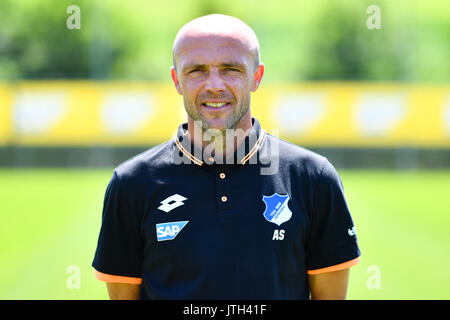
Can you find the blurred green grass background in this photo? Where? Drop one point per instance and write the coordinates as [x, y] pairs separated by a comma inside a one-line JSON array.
[[51, 219]]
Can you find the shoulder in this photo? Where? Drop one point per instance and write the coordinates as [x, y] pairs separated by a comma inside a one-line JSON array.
[[143, 165], [301, 162], [296, 157]]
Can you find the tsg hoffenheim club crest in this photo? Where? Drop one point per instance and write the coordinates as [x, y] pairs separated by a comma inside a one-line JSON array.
[[277, 210]]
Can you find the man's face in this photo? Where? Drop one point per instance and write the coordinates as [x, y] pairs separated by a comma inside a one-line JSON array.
[[215, 75]]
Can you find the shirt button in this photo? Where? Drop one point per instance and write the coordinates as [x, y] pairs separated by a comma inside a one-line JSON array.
[[224, 199], [222, 175]]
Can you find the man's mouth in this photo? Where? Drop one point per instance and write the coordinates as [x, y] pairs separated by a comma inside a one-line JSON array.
[[215, 105]]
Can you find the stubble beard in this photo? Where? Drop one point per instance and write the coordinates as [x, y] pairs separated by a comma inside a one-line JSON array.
[[232, 122]]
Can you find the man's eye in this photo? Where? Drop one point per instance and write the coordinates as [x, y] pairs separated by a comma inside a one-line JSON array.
[[194, 71], [233, 69]]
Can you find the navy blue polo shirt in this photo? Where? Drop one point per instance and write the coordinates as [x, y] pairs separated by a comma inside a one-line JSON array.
[[252, 226]]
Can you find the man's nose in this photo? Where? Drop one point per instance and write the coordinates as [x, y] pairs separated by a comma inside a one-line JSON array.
[[214, 83]]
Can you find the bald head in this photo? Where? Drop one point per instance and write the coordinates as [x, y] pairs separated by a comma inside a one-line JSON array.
[[217, 25]]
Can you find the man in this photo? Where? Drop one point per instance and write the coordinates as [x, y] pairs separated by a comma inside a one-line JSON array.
[[198, 218]]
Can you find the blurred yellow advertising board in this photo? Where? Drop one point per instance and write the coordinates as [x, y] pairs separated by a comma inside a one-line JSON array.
[[84, 113]]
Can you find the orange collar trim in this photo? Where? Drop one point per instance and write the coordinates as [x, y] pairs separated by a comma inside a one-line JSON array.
[[199, 162]]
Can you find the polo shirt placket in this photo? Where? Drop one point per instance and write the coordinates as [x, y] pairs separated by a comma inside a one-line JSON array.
[[222, 169]]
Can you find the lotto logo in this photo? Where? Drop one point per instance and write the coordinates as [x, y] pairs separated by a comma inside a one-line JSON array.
[[169, 230], [171, 203]]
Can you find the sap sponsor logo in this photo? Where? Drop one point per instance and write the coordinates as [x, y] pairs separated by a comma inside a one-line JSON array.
[[169, 230]]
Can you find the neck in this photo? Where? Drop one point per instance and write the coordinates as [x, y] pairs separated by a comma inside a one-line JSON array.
[[220, 140]]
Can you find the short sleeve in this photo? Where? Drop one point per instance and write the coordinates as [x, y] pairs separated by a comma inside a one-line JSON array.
[[332, 243], [118, 257]]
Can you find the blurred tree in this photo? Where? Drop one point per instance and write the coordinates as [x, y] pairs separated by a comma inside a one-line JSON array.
[[344, 47], [38, 41], [300, 40]]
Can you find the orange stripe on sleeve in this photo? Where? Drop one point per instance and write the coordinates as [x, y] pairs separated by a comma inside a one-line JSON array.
[[117, 279], [336, 267]]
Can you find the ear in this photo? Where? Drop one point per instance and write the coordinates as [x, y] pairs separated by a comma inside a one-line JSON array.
[[174, 75], [258, 77]]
